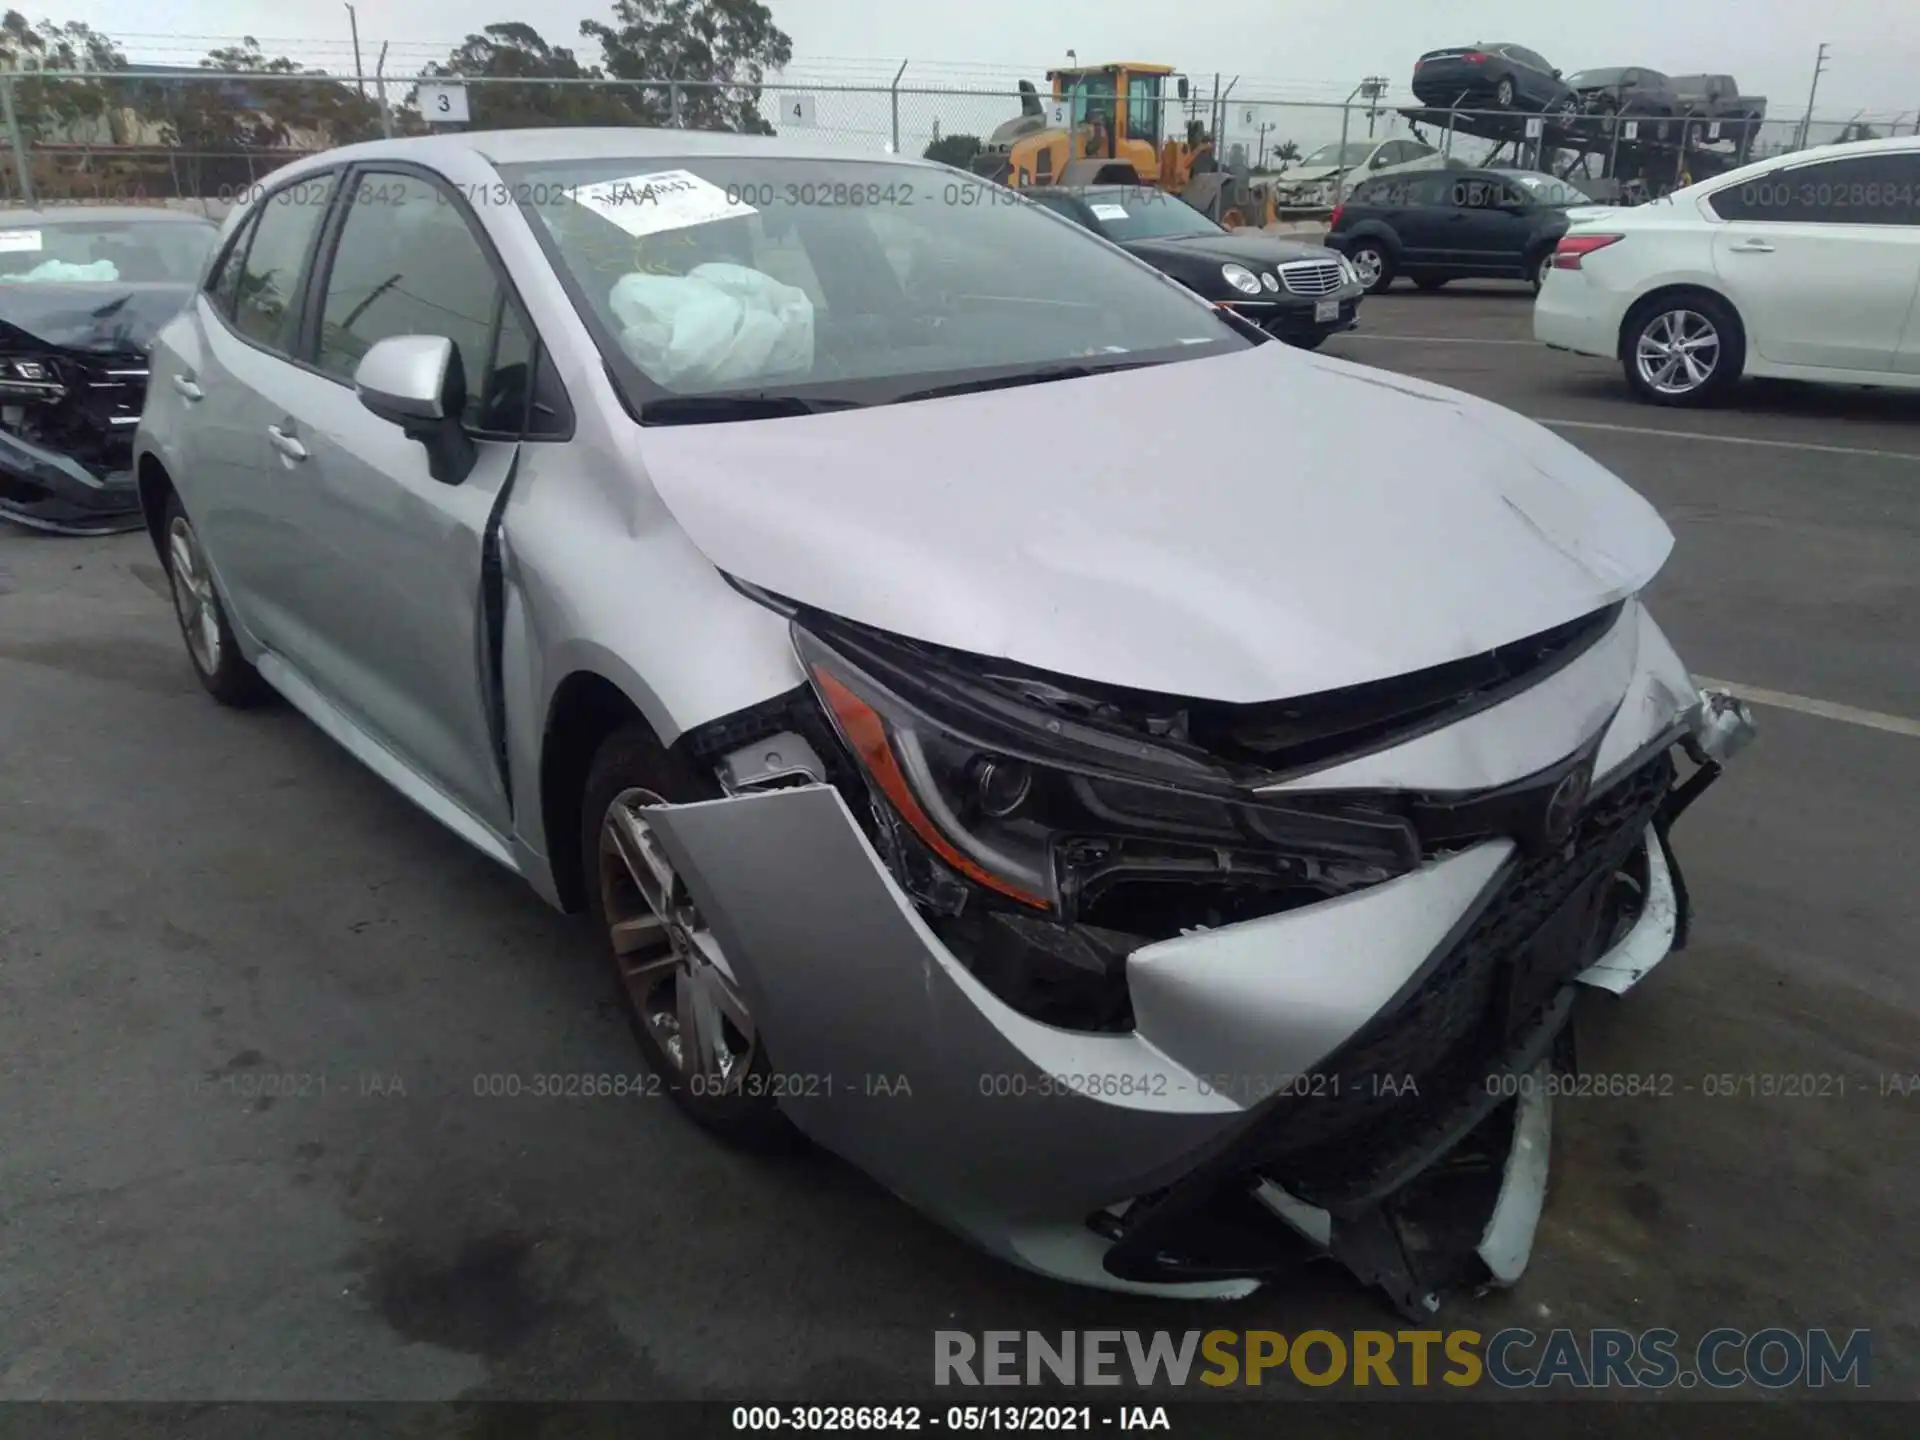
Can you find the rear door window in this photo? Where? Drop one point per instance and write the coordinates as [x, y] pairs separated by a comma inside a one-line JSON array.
[[266, 307], [1874, 189], [224, 283]]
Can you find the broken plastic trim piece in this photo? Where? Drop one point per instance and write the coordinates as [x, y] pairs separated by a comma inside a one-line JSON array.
[[1653, 934], [1507, 1243], [74, 501]]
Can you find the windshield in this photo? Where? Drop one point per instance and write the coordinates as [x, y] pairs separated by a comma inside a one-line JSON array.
[[1142, 213], [1339, 155], [104, 251], [1591, 79], [1549, 189], [841, 281]]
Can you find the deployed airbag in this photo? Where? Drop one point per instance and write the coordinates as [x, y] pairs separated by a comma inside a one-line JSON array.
[[718, 324], [58, 272]]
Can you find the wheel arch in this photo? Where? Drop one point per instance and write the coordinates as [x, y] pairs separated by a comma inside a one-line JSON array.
[[585, 709], [1375, 230], [155, 487], [1676, 291]]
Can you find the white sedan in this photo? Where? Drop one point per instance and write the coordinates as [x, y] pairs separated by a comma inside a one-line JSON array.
[[1800, 267]]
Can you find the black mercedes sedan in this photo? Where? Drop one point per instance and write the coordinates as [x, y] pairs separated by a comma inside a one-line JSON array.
[[1295, 291]]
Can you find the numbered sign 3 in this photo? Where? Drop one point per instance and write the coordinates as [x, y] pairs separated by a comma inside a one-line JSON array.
[[442, 104], [796, 109]]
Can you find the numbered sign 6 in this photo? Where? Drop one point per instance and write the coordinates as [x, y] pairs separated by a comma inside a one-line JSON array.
[[442, 104], [796, 109]]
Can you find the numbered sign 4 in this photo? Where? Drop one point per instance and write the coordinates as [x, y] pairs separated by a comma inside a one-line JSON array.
[[442, 104], [796, 109]]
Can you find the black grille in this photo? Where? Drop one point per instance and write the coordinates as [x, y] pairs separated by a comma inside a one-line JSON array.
[[1450, 1032]]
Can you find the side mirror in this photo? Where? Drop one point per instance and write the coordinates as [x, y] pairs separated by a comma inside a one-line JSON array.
[[418, 383], [1183, 87]]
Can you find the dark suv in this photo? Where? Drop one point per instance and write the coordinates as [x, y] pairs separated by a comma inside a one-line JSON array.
[[1440, 225]]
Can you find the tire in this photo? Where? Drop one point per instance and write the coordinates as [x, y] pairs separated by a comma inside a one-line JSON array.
[[1537, 269], [1378, 263], [1504, 92], [737, 1102], [1656, 324], [211, 649], [1429, 282]]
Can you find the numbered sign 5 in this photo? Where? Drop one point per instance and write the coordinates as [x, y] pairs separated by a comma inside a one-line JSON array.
[[442, 104], [1059, 114], [796, 109]]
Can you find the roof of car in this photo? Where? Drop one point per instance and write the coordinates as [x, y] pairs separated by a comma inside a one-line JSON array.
[[11, 219], [518, 147]]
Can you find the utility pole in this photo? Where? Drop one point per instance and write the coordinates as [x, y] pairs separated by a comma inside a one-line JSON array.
[[359, 75], [1373, 87], [1806, 125]]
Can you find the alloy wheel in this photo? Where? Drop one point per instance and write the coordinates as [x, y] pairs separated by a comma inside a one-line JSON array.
[[675, 974], [1677, 352], [193, 596], [1366, 264]]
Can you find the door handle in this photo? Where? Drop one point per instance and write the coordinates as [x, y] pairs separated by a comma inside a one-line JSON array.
[[286, 444], [1752, 247], [187, 388]]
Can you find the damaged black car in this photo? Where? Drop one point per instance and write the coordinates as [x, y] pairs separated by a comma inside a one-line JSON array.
[[82, 294]]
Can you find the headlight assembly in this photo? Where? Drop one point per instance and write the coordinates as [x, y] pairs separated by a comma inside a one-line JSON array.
[[1347, 272], [1049, 805], [1241, 278]]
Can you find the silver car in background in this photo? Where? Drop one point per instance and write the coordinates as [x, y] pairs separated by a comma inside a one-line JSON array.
[[812, 566]]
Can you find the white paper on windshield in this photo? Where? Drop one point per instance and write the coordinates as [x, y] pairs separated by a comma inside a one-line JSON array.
[[13, 242], [663, 200], [1110, 212]]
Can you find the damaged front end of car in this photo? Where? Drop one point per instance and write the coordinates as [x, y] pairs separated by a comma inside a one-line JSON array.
[[72, 384], [1150, 1006]]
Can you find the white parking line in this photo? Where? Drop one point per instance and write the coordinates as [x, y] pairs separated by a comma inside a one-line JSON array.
[[1825, 709], [1435, 339], [1726, 439]]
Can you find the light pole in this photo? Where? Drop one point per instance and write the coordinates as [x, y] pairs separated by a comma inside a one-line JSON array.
[[1806, 125], [359, 75]]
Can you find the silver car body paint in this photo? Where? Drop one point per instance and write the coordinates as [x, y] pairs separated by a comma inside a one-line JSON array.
[[1059, 525], [1457, 527]]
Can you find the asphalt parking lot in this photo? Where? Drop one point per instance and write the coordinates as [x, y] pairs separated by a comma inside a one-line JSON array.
[[192, 894]]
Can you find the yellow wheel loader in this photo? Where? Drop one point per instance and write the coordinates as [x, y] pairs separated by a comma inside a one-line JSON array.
[[1106, 125]]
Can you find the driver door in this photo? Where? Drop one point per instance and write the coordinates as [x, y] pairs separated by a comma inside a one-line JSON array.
[[391, 628]]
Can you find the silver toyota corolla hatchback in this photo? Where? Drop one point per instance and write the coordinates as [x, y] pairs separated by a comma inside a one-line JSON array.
[[822, 569]]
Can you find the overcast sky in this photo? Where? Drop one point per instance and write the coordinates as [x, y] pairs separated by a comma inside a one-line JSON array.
[[1317, 49]]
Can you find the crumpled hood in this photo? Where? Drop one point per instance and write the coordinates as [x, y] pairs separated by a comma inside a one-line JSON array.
[[115, 318], [1111, 528]]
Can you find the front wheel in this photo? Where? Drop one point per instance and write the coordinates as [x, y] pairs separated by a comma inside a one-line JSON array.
[[222, 670], [1373, 265], [1503, 93], [1683, 351], [685, 1002]]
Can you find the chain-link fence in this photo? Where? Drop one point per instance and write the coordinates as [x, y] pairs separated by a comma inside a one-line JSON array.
[[210, 135]]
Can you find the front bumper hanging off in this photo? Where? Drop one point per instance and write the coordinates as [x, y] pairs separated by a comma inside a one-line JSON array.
[[45, 490], [1118, 1160]]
